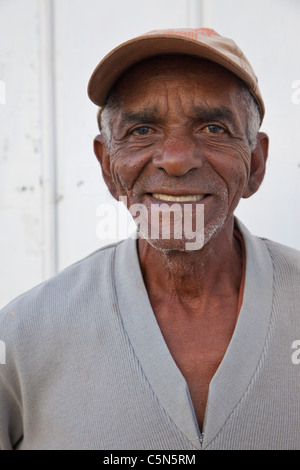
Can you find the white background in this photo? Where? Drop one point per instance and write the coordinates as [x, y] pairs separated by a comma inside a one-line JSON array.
[[51, 184]]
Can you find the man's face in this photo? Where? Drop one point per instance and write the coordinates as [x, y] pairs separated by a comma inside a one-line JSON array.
[[179, 135]]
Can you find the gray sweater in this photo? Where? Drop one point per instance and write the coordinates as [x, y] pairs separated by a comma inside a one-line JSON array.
[[86, 366]]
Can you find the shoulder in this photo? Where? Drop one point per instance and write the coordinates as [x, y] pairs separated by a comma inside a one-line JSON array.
[[61, 296], [283, 257], [286, 276], [261, 248]]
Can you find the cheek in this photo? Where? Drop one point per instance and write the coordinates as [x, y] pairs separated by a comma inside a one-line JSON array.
[[125, 166], [230, 162]]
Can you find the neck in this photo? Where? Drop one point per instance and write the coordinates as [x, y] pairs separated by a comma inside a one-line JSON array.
[[215, 270]]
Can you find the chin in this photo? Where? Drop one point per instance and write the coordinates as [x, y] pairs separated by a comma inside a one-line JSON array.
[[168, 245], [174, 245]]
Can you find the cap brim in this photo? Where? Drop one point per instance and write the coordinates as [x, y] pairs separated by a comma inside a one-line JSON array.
[[129, 53]]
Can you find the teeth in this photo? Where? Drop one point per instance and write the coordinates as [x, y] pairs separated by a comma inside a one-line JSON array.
[[187, 198]]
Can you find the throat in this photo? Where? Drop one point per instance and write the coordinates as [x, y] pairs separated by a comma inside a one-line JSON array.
[[215, 270]]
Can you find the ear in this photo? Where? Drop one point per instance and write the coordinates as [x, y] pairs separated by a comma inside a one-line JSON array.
[[103, 157], [258, 164]]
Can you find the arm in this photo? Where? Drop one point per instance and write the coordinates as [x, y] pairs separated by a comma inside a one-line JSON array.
[[10, 414]]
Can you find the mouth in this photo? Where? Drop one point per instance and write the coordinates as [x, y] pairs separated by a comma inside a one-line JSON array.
[[183, 198]]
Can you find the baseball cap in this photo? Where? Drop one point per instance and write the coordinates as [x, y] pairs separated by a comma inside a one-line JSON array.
[[204, 43]]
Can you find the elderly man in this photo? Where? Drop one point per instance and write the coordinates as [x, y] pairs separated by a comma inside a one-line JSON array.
[[157, 343]]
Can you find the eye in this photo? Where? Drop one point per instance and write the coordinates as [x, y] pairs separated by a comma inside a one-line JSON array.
[[142, 130], [213, 129]]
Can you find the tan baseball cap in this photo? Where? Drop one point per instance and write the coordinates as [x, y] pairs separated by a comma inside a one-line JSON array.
[[204, 43]]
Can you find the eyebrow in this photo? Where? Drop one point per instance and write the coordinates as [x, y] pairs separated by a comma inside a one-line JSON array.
[[201, 114], [214, 114], [145, 115]]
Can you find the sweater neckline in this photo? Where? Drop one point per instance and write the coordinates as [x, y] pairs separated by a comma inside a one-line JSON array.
[[240, 361]]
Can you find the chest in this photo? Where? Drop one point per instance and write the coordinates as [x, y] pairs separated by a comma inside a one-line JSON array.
[[198, 345]]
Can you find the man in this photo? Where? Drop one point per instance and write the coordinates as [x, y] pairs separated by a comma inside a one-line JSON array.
[[157, 343]]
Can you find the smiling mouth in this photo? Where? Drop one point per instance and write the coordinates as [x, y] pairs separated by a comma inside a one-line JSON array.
[[183, 198]]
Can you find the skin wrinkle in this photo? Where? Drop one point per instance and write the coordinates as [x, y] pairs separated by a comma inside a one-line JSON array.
[[170, 289], [117, 141], [104, 116], [133, 185], [245, 157]]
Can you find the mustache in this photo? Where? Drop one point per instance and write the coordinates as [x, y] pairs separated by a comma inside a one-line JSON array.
[[176, 185]]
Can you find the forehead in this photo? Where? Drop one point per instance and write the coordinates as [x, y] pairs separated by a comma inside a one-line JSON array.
[[165, 76]]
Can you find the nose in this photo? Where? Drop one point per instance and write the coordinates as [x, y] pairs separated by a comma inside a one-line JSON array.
[[177, 156]]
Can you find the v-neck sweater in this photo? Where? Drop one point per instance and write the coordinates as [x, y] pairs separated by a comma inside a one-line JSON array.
[[86, 365]]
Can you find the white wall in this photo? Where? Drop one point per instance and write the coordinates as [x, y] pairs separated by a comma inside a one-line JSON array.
[[268, 31], [51, 184], [21, 193]]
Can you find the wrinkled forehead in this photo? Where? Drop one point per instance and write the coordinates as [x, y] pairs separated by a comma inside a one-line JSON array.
[[153, 78]]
